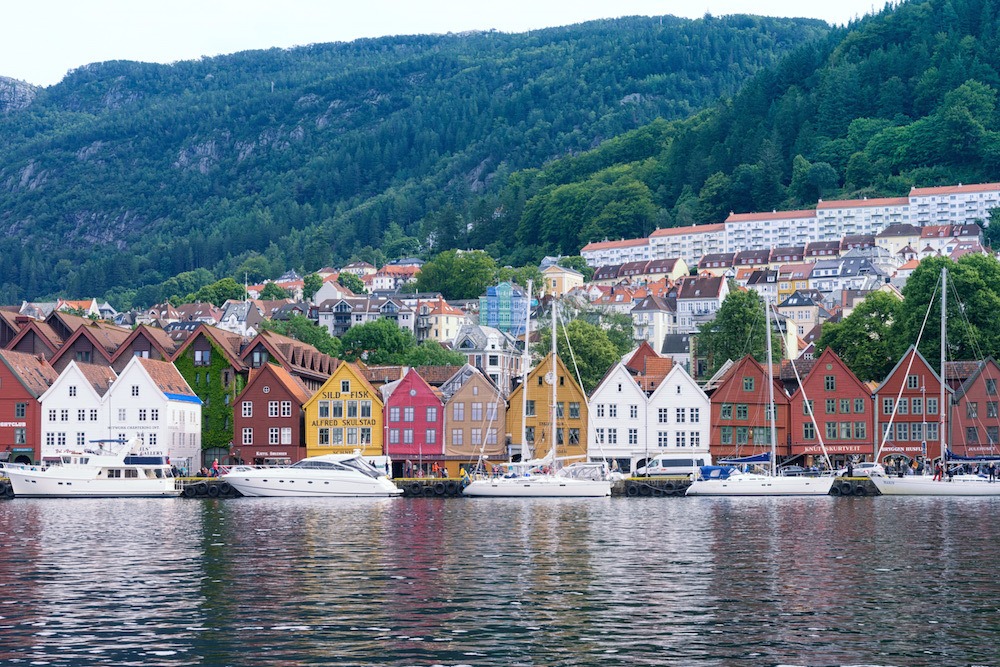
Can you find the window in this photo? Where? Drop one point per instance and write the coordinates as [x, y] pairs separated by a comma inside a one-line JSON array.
[[662, 439], [366, 410], [20, 436], [633, 436], [887, 404], [633, 411], [831, 406], [352, 436], [272, 408], [407, 436], [393, 436], [135, 390], [50, 439], [695, 415], [248, 409], [408, 413], [202, 357], [121, 414], [142, 414], [72, 391], [726, 411], [991, 386], [491, 411], [663, 415], [932, 432], [917, 406], [807, 407], [154, 414], [679, 415], [430, 436], [248, 436], [992, 433], [991, 408], [748, 384], [286, 435], [971, 435], [324, 409], [932, 406], [830, 382], [93, 414], [457, 436], [529, 433], [726, 435], [352, 409], [902, 431], [432, 414], [859, 406], [477, 412], [20, 410], [742, 411], [845, 430], [860, 431], [529, 409], [458, 411], [917, 431], [324, 436], [912, 382], [972, 410], [845, 406], [742, 435], [81, 415], [612, 436], [273, 435], [345, 386], [393, 414], [808, 432], [831, 430], [600, 411], [574, 410], [680, 439]]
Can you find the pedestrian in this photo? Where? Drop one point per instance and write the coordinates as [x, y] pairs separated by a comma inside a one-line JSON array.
[[991, 469], [215, 468], [937, 472]]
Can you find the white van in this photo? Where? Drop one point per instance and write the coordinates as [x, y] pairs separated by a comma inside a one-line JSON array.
[[671, 464]]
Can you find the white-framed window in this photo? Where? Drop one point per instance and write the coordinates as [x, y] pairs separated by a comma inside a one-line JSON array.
[[81, 415], [408, 413], [286, 408], [72, 391], [273, 435], [248, 436], [135, 390], [142, 414], [633, 436], [121, 414], [272, 409], [286, 435], [154, 414], [247, 409], [93, 414]]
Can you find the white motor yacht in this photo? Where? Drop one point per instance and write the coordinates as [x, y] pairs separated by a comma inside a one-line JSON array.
[[328, 475], [110, 469]]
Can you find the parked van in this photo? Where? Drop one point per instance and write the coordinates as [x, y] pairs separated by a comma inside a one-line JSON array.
[[671, 464]]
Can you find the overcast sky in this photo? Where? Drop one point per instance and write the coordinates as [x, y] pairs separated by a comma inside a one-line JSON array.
[[42, 39]]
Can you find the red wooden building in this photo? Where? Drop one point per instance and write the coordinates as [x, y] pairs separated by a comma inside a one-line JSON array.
[[269, 419], [23, 378], [741, 422], [842, 413], [974, 427], [908, 415], [414, 418]]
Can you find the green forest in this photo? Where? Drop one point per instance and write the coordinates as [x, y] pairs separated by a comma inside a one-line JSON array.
[[127, 175]]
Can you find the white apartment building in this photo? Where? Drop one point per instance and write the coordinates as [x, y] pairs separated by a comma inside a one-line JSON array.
[[73, 410], [613, 253], [689, 243], [953, 203], [848, 217], [777, 229]]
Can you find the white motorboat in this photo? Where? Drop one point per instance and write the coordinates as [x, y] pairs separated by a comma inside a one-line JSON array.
[[328, 475], [111, 469]]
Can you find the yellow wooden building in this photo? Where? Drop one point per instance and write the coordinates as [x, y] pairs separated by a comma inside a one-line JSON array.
[[571, 413], [344, 415]]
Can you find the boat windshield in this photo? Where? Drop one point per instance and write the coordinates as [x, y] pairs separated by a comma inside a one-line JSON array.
[[593, 471], [363, 466], [358, 464]]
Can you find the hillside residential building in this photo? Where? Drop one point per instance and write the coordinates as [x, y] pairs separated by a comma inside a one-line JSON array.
[[698, 300], [495, 353], [24, 378], [439, 321], [850, 217], [777, 229], [559, 279], [953, 203], [654, 318], [505, 307], [690, 243], [268, 423]]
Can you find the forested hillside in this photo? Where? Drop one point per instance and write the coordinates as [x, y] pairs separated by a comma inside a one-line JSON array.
[[906, 97], [126, 174]]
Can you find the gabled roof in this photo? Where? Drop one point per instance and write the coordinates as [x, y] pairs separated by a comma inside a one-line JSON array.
[[167, 379], [34, 373], [898, 229], [158, 338], [43, 331], [970, 378], [292, 354], [231, 344], [700, 287], [292, 384], [105, 339], [902, 364], [97, 376]]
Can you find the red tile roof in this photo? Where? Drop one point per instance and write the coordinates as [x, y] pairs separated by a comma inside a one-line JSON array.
[[34, 373]]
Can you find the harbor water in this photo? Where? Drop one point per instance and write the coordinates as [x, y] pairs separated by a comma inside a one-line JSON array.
[[532, 582]]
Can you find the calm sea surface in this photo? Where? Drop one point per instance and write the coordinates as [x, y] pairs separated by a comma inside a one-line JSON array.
[[664, 581]]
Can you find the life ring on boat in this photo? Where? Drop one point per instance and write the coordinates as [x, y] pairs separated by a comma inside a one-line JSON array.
[[213, 491], [835, 490], [860, 490], [8, 491], [440, 489], [225, 489], [415, 488], [451, 488], [632, 490], [847, 489], [190, 492]]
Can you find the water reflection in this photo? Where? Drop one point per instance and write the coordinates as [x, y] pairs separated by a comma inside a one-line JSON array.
[[706, 581]]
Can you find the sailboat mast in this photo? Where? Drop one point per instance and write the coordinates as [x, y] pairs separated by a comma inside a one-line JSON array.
[[770, 391], [525, 362], [554, 381], [943, 409]]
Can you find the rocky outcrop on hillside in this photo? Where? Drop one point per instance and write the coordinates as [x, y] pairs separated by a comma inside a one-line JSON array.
[[15, 94]]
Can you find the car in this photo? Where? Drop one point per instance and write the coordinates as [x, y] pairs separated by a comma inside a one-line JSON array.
[[863, 469]]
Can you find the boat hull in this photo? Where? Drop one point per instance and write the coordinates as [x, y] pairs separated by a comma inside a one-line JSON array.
[[277, 485], [539, 486], [762, 485], [923, 485], [42, 484]]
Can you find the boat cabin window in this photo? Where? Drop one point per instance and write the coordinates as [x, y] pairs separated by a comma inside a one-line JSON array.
[[361, 465], [114, 473], [131, 473]]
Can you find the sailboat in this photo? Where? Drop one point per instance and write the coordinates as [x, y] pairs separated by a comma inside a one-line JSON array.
[[927, 485], [540, 478], [729, 481]]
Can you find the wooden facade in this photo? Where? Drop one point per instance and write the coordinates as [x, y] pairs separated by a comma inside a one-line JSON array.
[[344, 415], [269, 418], [741, 421]]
